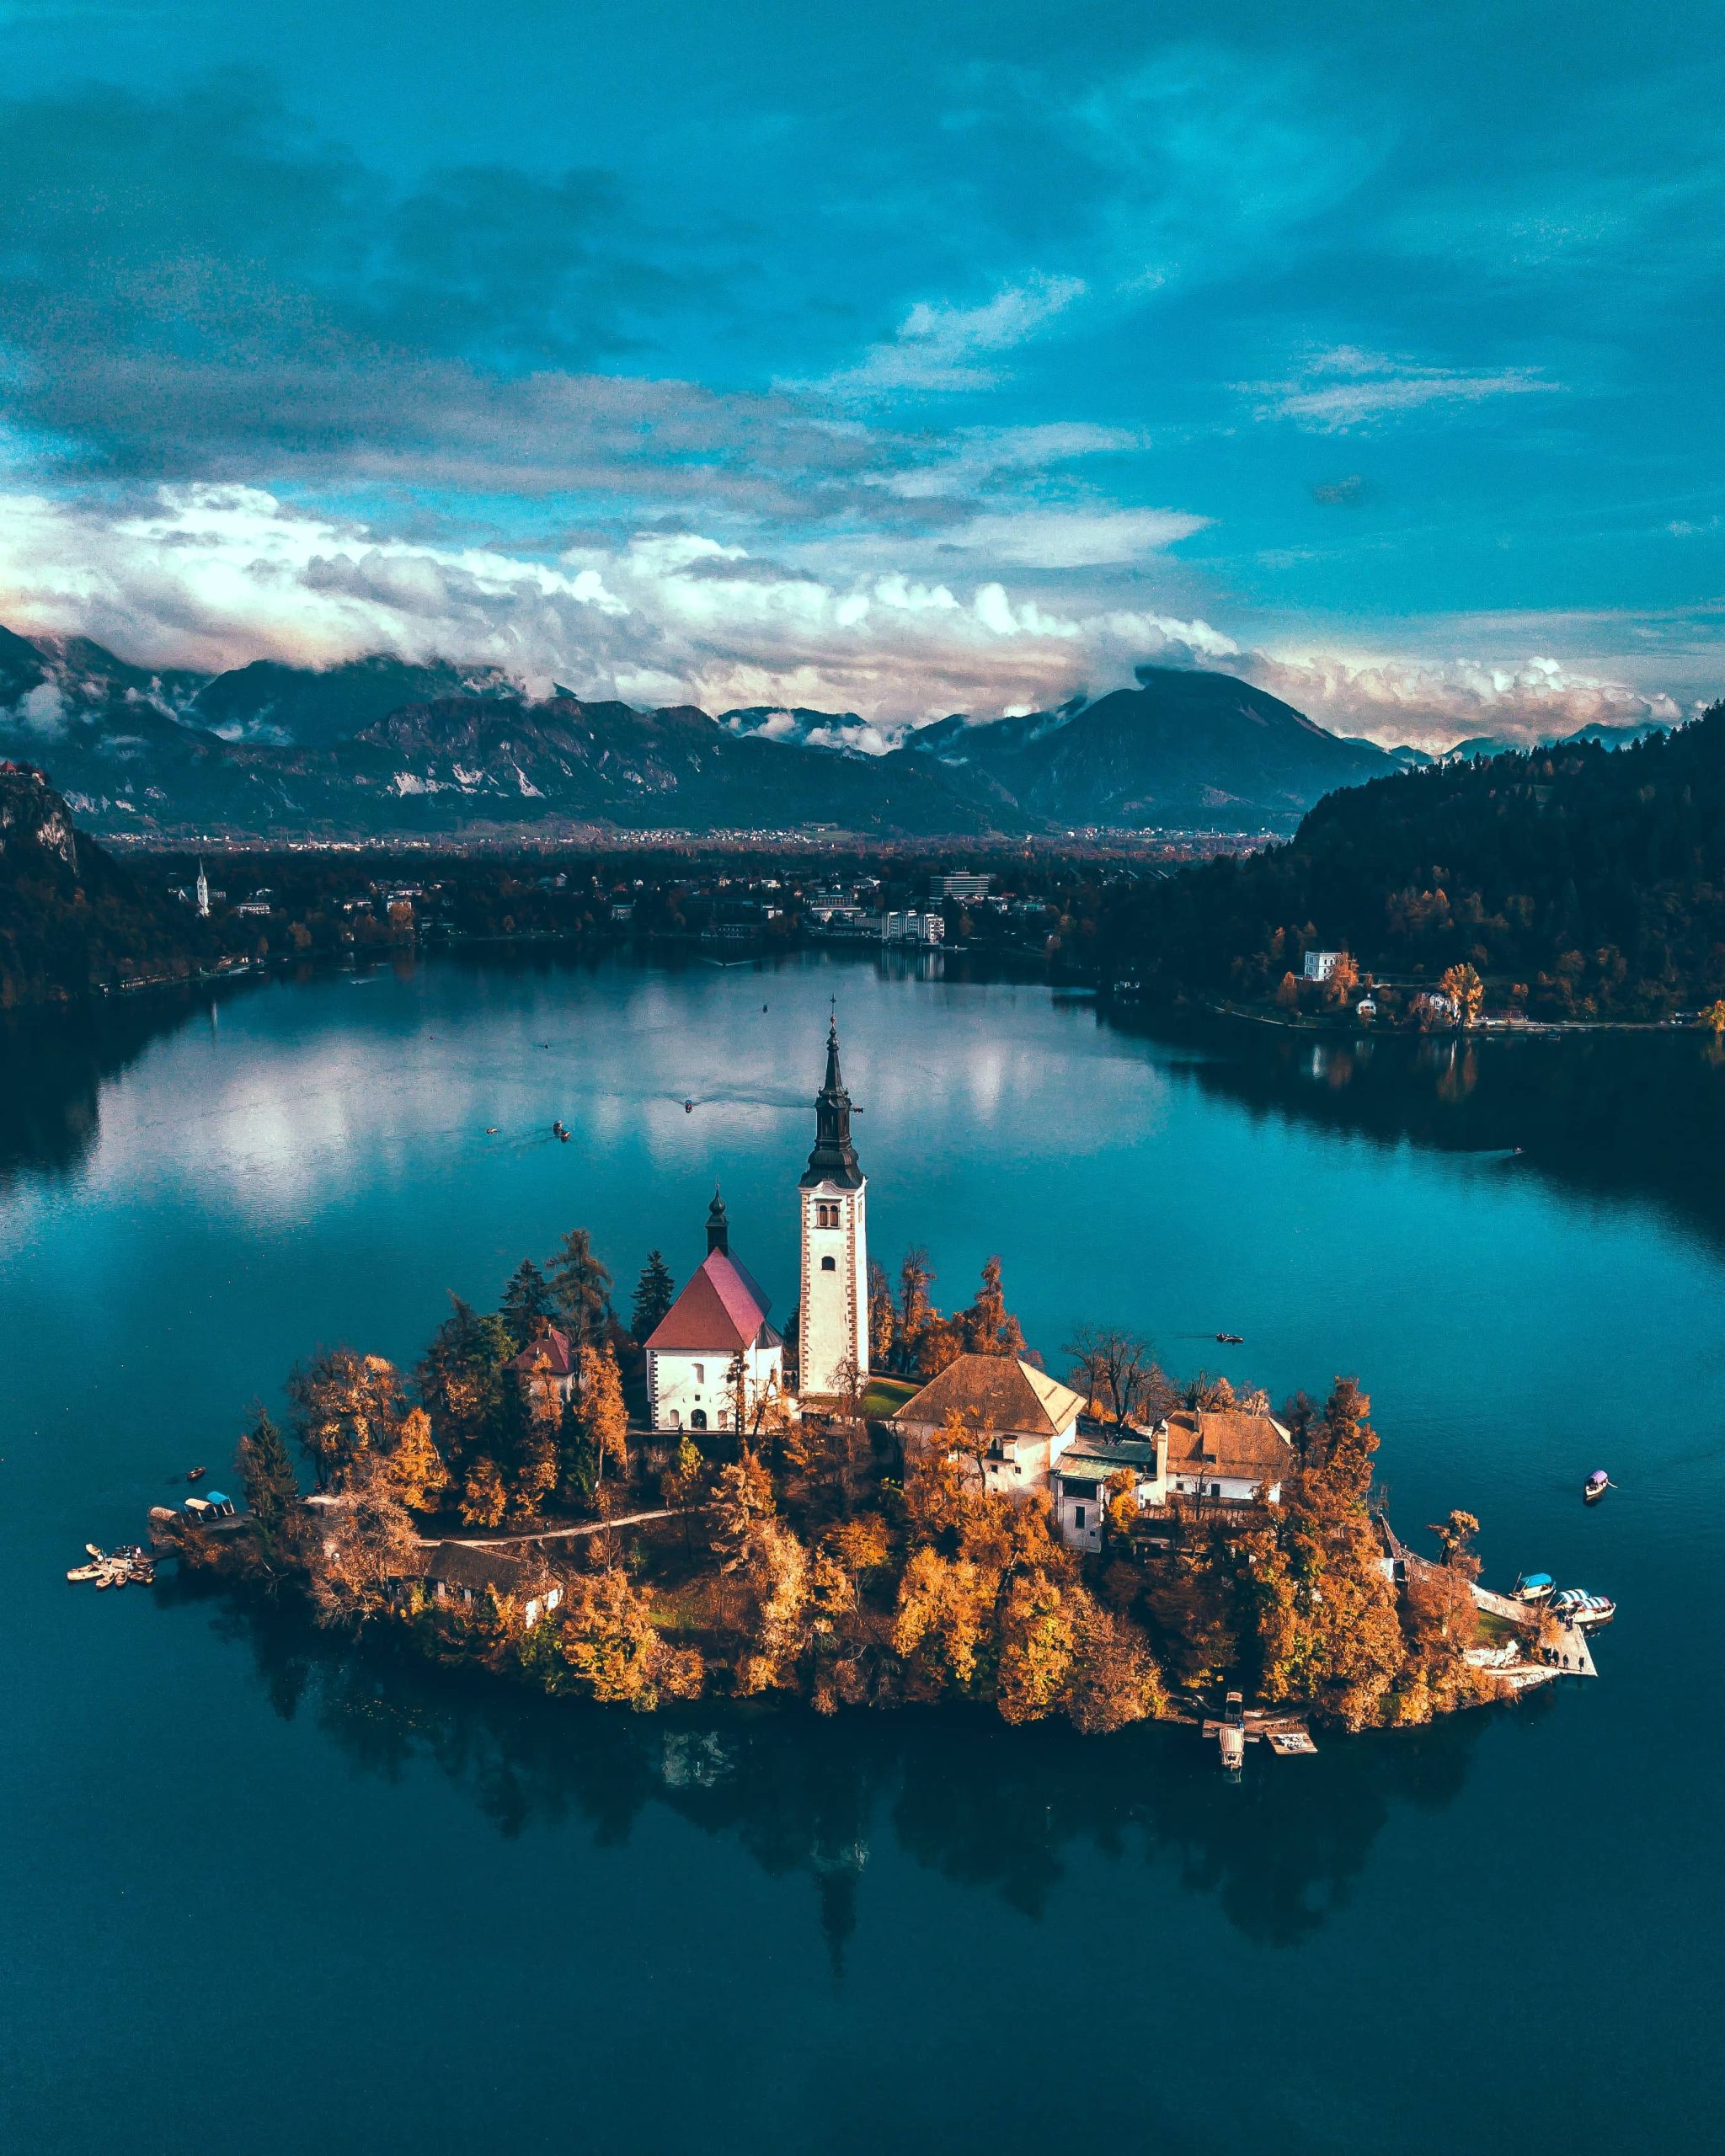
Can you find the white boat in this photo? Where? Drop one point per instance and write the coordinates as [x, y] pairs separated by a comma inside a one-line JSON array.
[[1580, 1607], [1534, 1587]]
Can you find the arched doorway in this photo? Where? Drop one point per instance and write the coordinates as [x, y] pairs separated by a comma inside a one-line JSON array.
[[697, 1418]]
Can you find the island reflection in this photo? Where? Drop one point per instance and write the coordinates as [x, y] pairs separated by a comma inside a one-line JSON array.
[[997, 1810]]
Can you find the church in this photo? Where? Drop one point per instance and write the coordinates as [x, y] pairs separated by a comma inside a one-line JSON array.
[[717, 1331]]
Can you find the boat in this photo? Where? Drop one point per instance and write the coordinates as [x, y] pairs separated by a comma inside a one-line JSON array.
[[1596, 1486], [1580, 1607], [1534, 1587], [688, 1107], [1230, 1339], [196, 1474]]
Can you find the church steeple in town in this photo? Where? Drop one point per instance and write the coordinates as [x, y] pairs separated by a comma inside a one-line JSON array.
[[203, 892], [834, 1159], [719, 1234]]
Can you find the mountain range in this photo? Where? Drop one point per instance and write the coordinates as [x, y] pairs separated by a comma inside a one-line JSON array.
[[379, 747]]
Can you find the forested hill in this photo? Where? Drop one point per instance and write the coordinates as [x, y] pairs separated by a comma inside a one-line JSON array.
[[1579, 881], [71, 918]]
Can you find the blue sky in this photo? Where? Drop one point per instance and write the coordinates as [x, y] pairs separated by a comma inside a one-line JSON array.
[[894, 360]]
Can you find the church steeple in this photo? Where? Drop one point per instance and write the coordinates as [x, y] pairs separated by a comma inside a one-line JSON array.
[[719, 1233], [834, 1159]]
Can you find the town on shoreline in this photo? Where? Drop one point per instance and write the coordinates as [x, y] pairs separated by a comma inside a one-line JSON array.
[[882, 1505]]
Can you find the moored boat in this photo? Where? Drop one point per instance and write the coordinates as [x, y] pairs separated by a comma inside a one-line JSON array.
[[1580, 1607], [1534, 1587]]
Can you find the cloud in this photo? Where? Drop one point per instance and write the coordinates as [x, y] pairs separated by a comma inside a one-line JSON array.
[[939, 348], [1346, 387]]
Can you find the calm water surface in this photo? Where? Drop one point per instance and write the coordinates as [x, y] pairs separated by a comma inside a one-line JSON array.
[[260, 1897]]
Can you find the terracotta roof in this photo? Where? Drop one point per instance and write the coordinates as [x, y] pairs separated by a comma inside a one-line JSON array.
[[549, 1352], [996, 1392], [1228, 1442], [721, 1310]]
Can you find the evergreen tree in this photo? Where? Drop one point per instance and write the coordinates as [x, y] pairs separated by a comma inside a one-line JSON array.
[[655, 1292], [527, 1303], [581, 1287], [267, 1477]]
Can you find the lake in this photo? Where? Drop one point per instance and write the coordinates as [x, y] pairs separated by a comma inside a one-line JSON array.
[[262, 1895]]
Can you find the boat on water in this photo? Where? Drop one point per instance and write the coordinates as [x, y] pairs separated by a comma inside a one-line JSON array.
[[1230, 1339], [1596, 1486], [1580, 1607], [560, 1133], [1534, 1587], [196, 1474]]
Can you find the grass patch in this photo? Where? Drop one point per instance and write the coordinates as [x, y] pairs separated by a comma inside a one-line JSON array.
[[884, 1396]]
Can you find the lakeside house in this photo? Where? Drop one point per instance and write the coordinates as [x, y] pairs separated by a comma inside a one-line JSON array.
[[1233, 1455], [716, 1327], [1080, 1488], [546, 1368], [1032, 1418], [461, 1572]]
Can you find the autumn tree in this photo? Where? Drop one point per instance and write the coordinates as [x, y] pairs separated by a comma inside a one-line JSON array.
[[1115, 1369], [527, 1305], [882, 1317], [366, 1549], [1036, 1641], [679, 1485], [1465, 990], [655, 1292], [941, 1622], [345, 1407], [267, 1478], [1455, 1536], [484, 1496], [416, 1467], [1344, 980], [1113, 1678], [604, 1643], [743, 1500], [916, 1311], [1345, 1441], [987, 1327], [581, 1287], [603, 1417]]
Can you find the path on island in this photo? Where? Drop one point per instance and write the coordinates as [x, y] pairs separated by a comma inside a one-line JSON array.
[[548, 1534]]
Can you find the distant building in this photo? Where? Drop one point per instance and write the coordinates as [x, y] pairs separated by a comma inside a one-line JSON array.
[[257, 907], [924, 928], [718, 1322], [622, 910], [203, 890], [961, 885], [1031, 1417], [1320, 964], [1366, 1009]]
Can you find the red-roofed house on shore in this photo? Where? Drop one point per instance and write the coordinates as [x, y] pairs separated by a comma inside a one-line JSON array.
[[718, 1321], [546, 1368]]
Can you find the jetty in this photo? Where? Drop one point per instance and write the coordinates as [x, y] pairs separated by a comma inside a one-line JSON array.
[[1286, 1734]]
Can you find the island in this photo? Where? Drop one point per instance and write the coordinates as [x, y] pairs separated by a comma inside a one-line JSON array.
[[885, 1505]]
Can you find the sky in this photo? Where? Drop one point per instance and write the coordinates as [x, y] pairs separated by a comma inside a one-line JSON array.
[[890, 360]]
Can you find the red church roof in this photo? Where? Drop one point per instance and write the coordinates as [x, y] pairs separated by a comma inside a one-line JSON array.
[[721, 1312]]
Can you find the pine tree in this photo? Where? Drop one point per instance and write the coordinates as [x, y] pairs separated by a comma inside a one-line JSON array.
[[267, 1477], [527, 1303], [581, 1287], [655, 1292]]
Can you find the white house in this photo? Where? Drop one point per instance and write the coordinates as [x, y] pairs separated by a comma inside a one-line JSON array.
[[832, 1329], [718, 1322], [1032, 1418], [1230, 1454], [1320, 964], [1081, 1479], [924, 928]]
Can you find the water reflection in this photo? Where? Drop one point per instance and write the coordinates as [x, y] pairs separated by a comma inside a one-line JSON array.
[[1002, 1812], [1637, 1115]]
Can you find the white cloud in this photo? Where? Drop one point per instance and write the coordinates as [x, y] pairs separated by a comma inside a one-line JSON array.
[[1346, 387], [938, 347], [215, 576]]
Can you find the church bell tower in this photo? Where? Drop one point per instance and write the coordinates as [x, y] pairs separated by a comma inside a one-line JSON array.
[[832, 1323]]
